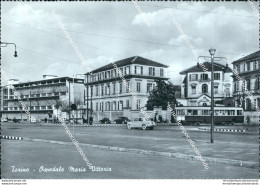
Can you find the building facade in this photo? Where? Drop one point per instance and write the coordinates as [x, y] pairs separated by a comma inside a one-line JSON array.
[[39, 98], [248, 69], [108, 96], [196, 84]]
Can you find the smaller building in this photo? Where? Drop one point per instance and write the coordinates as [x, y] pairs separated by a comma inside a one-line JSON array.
[[196, 84]]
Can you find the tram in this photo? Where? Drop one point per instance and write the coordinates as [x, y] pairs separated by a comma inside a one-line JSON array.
[[197, 115]]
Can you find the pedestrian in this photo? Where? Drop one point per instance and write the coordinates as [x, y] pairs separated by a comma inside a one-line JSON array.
[[45, 120], [248, 120]]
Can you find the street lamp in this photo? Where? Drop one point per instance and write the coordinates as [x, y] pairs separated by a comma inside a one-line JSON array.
[[212, 53], [4, 44], [212, 58]]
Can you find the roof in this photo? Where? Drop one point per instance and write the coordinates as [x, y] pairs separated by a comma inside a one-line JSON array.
[[131, 60], [250, 56], [198, 68], [51, 79]]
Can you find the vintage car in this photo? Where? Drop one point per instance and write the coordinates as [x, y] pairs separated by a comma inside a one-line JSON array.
[[141, 123]]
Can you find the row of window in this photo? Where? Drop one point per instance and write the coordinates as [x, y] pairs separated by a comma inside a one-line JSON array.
[[113, 106], [246, 84], [39, 95], [203, 77], [32, 108], [208, 112], [204, 89], [248, 66], [122, 71], [106, 89]]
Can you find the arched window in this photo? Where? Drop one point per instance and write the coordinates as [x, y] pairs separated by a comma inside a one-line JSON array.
[[108, 106], [204, 88], [114, 105], [120, 105]]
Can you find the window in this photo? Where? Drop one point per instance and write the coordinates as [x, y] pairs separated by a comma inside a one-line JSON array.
[[227, 91], [248, 66], [248, 85], [152, 71], [120, 87], [244, 67], [114, 106], [138, 70], [114, 88], [216, 89], [193, 77], [127, 104], [193, 89], [161, 72], [102, 90], [121, 72], [43, 107], [216, 76], [127, 87], [107, 89], [96, 106], [238, 68], [255, 65], [138, 105], [96, 90], [204, 77], [149, 87], [120, 105], [108, 106], [257, 83], [204, 88], [127, 70], [138, 87], [112, 73]]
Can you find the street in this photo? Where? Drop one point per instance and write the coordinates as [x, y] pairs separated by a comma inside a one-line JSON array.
[[231, 146]]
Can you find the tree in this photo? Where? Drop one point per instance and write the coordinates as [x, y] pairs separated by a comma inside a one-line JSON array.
[[162, 95]]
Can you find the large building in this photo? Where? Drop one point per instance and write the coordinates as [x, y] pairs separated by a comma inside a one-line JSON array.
[[39, 97], [196, 84], [248, 69], [108, 96]]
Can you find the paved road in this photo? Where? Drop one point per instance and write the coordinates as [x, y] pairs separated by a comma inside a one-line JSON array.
[[124, 165], [237, 146]]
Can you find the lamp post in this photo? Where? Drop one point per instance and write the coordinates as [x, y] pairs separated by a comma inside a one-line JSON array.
[[212, 58], [4, 44], [212, 53]]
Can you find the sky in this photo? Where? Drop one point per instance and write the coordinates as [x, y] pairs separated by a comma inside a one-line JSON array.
[[117, 30]]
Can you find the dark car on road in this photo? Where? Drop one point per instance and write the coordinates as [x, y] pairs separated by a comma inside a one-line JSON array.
[[122, 120], [105, 121]]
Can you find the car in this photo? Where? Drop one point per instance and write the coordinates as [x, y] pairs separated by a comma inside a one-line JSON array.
[[105, 121], [122, 120], [141, 123]]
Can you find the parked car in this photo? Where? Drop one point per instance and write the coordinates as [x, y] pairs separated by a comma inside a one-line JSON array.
[[105, 121], [141, 123], [122, 120]]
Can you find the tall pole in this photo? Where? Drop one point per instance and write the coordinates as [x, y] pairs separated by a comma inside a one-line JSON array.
[[30, 106], [87, 100], [69, 101], [212, 51]]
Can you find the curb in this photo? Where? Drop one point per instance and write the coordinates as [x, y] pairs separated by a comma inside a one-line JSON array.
[[224, 130], [230, 162], [11, 138]]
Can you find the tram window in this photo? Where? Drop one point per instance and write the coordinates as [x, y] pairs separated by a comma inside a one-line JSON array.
[[195, 112], [205, 112], [189, 112], [239, 112]]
